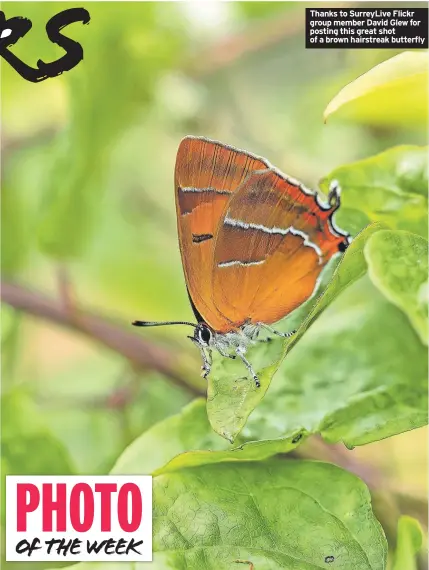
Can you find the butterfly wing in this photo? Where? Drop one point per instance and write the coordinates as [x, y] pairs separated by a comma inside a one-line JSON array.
[[206, 176], [273, 241]]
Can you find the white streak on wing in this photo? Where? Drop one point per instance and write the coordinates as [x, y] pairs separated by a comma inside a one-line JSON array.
[[202, 190], [274, 230], [307, 241], [238, 262]]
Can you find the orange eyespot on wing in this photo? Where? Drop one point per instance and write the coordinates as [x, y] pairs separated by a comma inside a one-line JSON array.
[[273, 241], [207, 174]]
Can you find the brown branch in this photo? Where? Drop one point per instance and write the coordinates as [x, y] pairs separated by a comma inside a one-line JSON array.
[[65, 289], [118, 399], [317, 448], [141, 353], [12, 144]]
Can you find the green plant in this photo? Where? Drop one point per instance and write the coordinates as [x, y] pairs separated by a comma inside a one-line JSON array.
[[236, 476], [216, 501]]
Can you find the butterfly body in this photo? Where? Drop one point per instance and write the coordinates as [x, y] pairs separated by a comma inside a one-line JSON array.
[[231, 344], [253, 243]]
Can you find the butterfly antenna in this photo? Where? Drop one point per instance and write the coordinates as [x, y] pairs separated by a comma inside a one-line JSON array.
[[160, 324]]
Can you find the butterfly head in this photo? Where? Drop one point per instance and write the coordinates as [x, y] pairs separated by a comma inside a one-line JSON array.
[[203, 334]]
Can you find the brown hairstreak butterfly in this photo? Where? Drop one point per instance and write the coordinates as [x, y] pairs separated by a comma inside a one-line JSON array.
[[253, 243]]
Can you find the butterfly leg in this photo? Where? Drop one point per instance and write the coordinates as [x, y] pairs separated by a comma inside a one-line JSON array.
[[225, 354], [278, 333], [255, 336], [248, 366], [207, 361]]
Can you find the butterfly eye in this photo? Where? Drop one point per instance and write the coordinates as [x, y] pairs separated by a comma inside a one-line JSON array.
[[204, 334]]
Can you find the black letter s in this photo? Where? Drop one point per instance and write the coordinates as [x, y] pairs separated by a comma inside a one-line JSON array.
[[15, 28], [74, 51]]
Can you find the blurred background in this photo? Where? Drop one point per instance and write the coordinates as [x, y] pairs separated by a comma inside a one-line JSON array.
[[88, 215]]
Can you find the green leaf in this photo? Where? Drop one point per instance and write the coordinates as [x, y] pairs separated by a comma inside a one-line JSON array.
[[291, 515], [351, 268], [187, 440], [231, 395], [358, 375], [350, 379], [277, 514], [409, 542], [398, 266], [393, 92], [390, 187]]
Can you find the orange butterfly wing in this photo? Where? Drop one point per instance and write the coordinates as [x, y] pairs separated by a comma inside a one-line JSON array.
[[207, 174], [272, 243], [253, 241]]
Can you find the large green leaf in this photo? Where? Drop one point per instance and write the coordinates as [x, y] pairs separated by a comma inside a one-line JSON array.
[[393, 92], [351, 268], [187, 440], [297, 515], [409, 542], [232, 395], [358, 375], [277, 514], [390, 187], [398, 266]]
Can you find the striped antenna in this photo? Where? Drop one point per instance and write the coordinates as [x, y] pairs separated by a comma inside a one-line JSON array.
[[162, 323]]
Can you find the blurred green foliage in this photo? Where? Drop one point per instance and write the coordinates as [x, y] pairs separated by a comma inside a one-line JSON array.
[[409, 543], [88, 161]]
